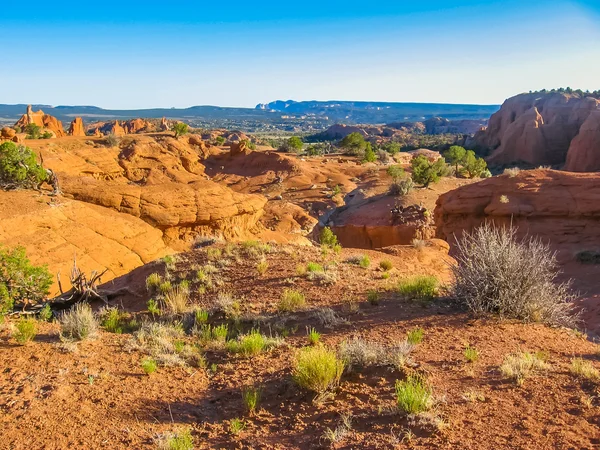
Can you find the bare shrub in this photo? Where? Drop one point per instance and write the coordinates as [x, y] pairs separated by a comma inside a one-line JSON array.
[[497, 273], [512, 171], [402, 186]]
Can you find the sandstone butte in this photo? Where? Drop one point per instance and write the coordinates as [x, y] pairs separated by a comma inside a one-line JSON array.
[[544, 129], [42, 120]]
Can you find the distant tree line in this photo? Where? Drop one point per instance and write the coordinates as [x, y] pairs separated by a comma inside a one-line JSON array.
[[568, 90]]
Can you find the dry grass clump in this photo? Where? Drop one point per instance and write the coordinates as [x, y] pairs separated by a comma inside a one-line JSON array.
[[512, 171], [78, 323], [496, 273], [177, 299], [164, 343], [519, 366], [360, 353], [333, 436], [584, 369], [328, 317], [181, 440], [318, 369], [291, 300]]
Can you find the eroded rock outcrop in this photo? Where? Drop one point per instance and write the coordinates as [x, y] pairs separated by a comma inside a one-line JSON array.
[[542, 129], [42, 120], [77, 128]]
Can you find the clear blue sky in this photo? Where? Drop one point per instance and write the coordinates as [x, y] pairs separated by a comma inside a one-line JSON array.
[[130, 54]]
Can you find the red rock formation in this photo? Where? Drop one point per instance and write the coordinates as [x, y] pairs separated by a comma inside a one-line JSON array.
[[584, 151], [164, 126], [538, 129], [7, 133], [237, 148], [117, 129], [42, 120], [77, 128]]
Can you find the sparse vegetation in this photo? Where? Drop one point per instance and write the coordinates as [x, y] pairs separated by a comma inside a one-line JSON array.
[[422, 287], [262, 267], [496, 273], [333, 436], [512, 171], [415, 336], [249, 344], [584, 369], [471, 354], [313, 336], [386, 265], [251, 397], [236, 426], [153, 308], [318, 369], [291, 300], [149, 365], [519, 366], [373, 297], [78, 323], [425, 172], [25, 331], [176, 300], [153, 281], [181, 440], [413, 395]]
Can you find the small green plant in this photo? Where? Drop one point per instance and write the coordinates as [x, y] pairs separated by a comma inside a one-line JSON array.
[[169, 261], [385, 275], [386, 265], [426, 172], [313, 336], [336, 190], [153, 308], [318, 369], [328, 238], [219, 333], [249, 344], [584, 369], [149, 365], [251, 398], [419, 287], [373, 297], [413, 395], [471, 354], [165, 287], [26, 329], [113, 320], [45, 313], [201, 316], [180, 128], [364, 262], [519, 366], [415, 336], [314, 267], [291, 300], [179, 441], [236, 426], [262, 267]]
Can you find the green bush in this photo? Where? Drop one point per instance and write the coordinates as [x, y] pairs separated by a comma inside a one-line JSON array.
[[364, 262], [455, 156], [396, 172], [33, 131], [370, 155], [328, 238], [149, 365], [386, 265], [46, 135], [294, 144], [21, 281], [354, 144], [426, 172], [26, 329], [19, 167], [318, 369], [420, 287], [472, 165], [314, 267], [413, 395], [249, 344], [180, 129]]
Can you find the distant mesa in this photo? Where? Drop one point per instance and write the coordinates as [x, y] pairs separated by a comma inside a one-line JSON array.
[[544, 128]]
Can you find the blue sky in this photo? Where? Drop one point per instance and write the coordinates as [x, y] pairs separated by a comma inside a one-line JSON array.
[[130, 54]]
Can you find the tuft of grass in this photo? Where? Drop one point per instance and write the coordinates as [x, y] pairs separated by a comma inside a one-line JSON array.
[[177, 441], [364, 262], [149, 365], [251, 398], [152, 306], [236, 426], [78, 323], [333, 436], [262, 267], [26, 329], [291, 300], [519, 366], [413, 395], [415, 336], [386, 265], [250, 344], [512, 171], [314, 267], [169, 261], [153, 281], [471, 354], [214, 254], [584, 369], [201, 316], [164, 287], [422, 287], [177, 299], [113, 320], [504, 199], [313, 336], [373, 297], [318, 369]]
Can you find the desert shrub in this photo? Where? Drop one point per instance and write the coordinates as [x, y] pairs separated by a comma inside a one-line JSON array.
[[426, 172], [291, 300], [359, 353], [354, 144], [33, 131], [364, 262], [328, 317], [46, 135], [163, 343], [318, 369], [180, 128], [328, 238], [176, 441], [421, 287], [78, 323], [415, 336], [313, 336], [584, 369], [293, 144], [45, 313], [472, 165], [588, 257], [21, 281], [383, 156], [314, 267], [149, 365], [413, 395], [251, 398], [455, 156], [496, 273], [322, 277], [19, 167], [111, 140], [512, 171], [116, 321], [176, 299], [385, 265], [471, 354], [25, 331], [402, 186], [262, 267], [370, 155], [396, 172], [249, 344], [520, 366]]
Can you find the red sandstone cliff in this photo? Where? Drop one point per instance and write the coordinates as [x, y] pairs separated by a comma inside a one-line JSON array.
[[42, 120]]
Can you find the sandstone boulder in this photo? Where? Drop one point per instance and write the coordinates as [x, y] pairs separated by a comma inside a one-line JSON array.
[[7, 133], [76, 128]]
